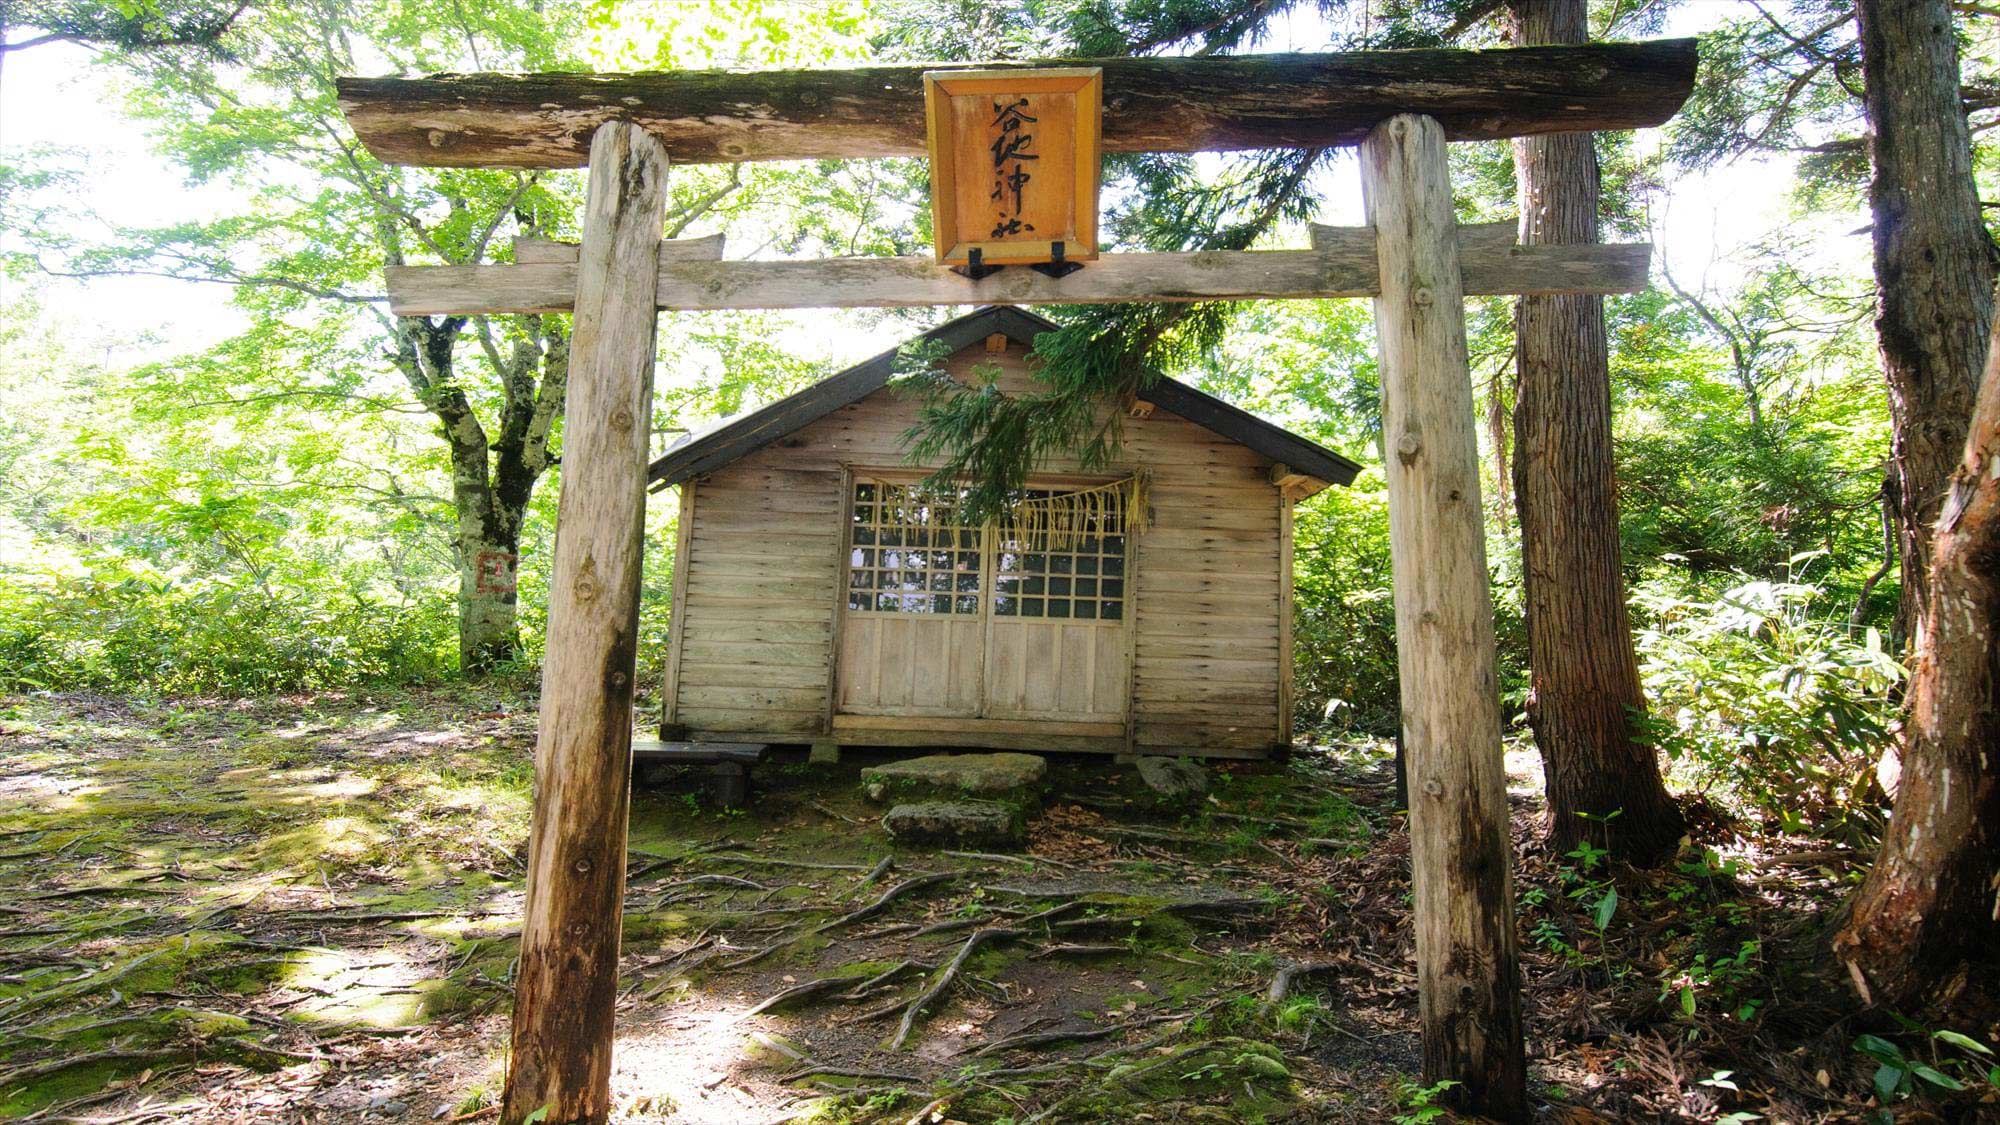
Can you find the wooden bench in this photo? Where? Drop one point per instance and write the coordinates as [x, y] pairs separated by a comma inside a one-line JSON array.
[[728, 763]]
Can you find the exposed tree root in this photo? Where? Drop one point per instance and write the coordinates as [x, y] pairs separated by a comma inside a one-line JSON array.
[[1281, 984], [847, 1072], [887, 897], [1073, 949], [1044, 1038], [944, 978], [889, 974], [796, 992], [773, 861], [882, 867]]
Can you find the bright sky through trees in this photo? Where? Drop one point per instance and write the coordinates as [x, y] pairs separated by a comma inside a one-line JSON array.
[[53, 97]]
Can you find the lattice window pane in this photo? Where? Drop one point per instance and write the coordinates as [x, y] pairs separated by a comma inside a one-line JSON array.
[[911, 554], [1072, 574]]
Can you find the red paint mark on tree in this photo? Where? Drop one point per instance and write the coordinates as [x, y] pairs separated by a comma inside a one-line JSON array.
[[496, 571]]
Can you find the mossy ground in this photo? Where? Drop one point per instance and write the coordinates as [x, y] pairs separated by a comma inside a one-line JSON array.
[[306, 909]]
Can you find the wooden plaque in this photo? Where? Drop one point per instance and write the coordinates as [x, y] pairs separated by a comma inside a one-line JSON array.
[[1014, 163]]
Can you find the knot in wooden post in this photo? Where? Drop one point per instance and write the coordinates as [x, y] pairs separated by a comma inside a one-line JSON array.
[[566, 989], [1459, 877]]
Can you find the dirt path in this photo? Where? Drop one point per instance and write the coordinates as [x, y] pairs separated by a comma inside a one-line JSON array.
[[304, 910]]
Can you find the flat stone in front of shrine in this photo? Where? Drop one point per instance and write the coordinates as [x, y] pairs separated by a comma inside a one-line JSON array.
[[1174, 779], [975, 823], [1010, 776]]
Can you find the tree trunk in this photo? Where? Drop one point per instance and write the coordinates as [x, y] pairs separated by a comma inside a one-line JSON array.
[[1934, 264], [1926, 914], [492, 479], [1584, 694], [489, 539]]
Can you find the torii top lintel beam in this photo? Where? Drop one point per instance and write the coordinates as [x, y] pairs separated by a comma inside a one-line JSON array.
[[1150, 104]]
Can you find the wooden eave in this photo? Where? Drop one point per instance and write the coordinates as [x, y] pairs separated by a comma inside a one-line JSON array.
[[1151, 104], [746, 433]]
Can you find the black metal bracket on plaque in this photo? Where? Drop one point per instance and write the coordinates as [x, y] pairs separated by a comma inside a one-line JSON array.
[[1057, 266], [975, 266]]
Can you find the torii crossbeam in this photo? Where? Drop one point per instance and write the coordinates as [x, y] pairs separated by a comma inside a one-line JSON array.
[[1418, 265]]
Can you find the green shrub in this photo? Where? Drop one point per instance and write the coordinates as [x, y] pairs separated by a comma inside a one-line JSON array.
[[1344, 619], [112, 631], [1784, 712]]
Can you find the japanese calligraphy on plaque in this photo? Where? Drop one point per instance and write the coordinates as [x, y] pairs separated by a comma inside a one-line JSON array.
[[1014, 163]]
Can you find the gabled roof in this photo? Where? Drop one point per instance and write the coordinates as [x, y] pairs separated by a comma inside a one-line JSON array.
[[706, 450]]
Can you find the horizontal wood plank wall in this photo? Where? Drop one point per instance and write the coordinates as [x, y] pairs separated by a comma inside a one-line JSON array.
[[761, 567], [764, 572], [1207, 596]]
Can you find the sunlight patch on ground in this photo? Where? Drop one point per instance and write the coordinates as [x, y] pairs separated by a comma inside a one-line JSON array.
[[341, 838], [683, 1066], [44, 783], [1524, 768], [56, 792], [377, 987], [303, 786]]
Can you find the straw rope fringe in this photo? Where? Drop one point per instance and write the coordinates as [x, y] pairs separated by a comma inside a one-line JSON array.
[[1057, 522], [1047, 523]]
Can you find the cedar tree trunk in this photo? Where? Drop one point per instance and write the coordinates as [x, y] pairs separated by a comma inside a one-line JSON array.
[[1926, 915], [1934, 264], [1584, 693]]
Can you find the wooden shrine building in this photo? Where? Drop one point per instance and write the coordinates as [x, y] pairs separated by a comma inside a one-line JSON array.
[[820, 596]]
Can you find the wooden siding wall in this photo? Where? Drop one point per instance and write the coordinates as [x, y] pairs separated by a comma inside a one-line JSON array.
[[754, 645]]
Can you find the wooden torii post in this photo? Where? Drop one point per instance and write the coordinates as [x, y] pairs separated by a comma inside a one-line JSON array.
[[1400, 107]]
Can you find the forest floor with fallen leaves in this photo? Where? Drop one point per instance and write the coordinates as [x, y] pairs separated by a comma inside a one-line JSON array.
[[305, 909]]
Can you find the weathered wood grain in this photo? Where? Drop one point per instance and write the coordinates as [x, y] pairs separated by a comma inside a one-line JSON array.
[[566, 987], [1164, 104], [1342, 266], [1468, 971]]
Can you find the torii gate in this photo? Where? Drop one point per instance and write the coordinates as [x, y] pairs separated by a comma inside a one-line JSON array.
[[1400, 107]]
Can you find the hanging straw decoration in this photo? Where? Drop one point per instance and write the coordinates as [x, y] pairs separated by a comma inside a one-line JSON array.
[[917, 509], [1058, 522], [1047, 523]]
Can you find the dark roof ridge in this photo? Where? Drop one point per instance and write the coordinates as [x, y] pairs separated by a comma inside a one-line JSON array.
[[738, 436]]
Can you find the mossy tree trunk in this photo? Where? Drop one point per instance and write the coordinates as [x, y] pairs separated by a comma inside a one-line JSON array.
[[493, 477]]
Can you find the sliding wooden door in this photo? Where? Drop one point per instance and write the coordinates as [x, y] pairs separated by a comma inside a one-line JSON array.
[[912, 639], [1055, 629], [947, 620]]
